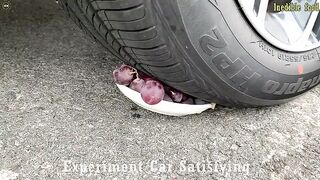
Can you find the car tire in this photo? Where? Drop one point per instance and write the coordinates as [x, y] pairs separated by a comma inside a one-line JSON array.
[[205, 48]]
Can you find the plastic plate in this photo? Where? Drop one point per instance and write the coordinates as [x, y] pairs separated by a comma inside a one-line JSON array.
[[165, 107]]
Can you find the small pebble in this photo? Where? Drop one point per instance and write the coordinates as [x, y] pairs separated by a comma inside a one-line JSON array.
[[135, 115]]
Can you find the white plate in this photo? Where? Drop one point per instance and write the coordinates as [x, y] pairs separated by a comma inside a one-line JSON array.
[[165, 107]]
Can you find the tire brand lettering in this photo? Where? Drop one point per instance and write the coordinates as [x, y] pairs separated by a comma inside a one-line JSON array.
[[273, 87], [242, 75], [237, 71], [207, 41]]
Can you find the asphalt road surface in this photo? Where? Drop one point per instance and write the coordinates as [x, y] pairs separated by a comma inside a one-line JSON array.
[[62, 117]]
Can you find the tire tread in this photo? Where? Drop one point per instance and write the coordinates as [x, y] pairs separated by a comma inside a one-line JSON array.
[[128, 28]]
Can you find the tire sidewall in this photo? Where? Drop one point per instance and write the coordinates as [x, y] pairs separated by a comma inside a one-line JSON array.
[[260, 73]]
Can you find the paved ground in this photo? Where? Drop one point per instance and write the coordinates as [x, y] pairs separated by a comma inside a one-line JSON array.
[[61, 112]]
